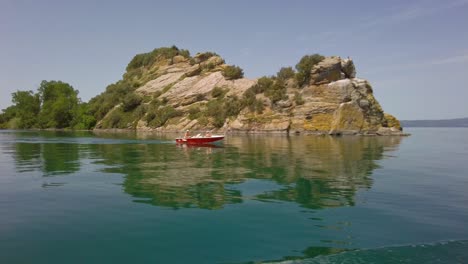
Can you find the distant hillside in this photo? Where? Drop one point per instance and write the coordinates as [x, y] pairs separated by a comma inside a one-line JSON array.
[[458, 122]]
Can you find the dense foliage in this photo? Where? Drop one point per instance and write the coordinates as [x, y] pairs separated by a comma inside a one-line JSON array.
[[58, 103], [273, 88], [285, 73], [250, 100], [159, 115], [146, 59], [27, 106], [131, 101], [55, 105], [115, 93], [216, 111], [232, 72]]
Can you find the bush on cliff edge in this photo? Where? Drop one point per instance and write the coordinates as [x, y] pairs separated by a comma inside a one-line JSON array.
[[232, 72], [304, 67]]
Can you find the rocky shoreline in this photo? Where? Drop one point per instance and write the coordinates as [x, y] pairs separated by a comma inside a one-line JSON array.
[[383, 132]]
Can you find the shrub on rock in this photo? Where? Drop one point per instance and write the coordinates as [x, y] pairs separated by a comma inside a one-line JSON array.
[[232, 72]]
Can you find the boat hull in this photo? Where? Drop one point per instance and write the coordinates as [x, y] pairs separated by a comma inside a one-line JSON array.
[[199, 140]]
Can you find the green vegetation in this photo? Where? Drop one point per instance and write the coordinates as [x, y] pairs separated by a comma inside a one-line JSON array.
[[262, 85], [249, 100], [305, 66], [298, 99], [277, 91], [200, 57], [273, 88], [141, 69], [221, 109], [147, 59], [144, 67], [232, 72], [131, 101], [82, 118], [27, 107], [194, 112], [8, 118], [159, 115], [216, 110], [285, 73], [218, 92], [232, 106], [61, 107], [206, 67], [100, 105], [124, 119], [55, 105]]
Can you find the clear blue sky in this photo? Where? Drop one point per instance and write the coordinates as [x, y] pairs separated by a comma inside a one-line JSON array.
[[414, 53]]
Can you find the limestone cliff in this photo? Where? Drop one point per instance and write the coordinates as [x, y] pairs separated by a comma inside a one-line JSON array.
[[176, 92]]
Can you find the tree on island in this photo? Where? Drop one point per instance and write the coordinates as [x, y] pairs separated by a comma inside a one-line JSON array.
[[55, 105], [26, 108], [58, 102]]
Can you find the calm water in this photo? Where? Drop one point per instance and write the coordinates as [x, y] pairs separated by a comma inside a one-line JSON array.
[[140, 198]]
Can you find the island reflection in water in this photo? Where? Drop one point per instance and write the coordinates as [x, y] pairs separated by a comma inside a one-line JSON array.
[[313, 171], [262, 195]]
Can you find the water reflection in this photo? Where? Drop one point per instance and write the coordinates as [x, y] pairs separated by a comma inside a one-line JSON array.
[[321, 172], [172, 175], [60, 158], [27, 156], [313, 171], [50, 157]]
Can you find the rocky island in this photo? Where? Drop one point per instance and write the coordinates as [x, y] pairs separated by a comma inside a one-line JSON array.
[[168, 90]]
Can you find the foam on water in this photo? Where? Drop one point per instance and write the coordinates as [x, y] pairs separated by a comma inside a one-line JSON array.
[[440, 252]]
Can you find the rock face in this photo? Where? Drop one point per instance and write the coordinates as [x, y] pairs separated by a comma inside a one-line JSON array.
[[326, 71], [333, 102]]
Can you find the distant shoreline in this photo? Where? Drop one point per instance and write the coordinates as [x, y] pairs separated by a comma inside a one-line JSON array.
[[232, 132], [456, 122]]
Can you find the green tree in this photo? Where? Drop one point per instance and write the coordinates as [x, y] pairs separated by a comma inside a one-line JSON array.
[[27, 107], [277, 91], [82, 118], [249, 100], [59, 102], [100, 105], [305, 66], [263, 84], [7, 114], [131, 101], [232, 72], [285, 73]]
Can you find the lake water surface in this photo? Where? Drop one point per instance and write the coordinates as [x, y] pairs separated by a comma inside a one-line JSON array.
[[84, 197]]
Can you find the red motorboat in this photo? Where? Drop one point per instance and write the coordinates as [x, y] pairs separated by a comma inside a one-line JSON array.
[[198, 139]]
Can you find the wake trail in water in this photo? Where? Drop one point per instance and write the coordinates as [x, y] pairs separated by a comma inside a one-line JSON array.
[[90, 141], [441, 252]]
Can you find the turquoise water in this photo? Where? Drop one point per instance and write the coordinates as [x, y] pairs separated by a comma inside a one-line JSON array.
[[117, 198]]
